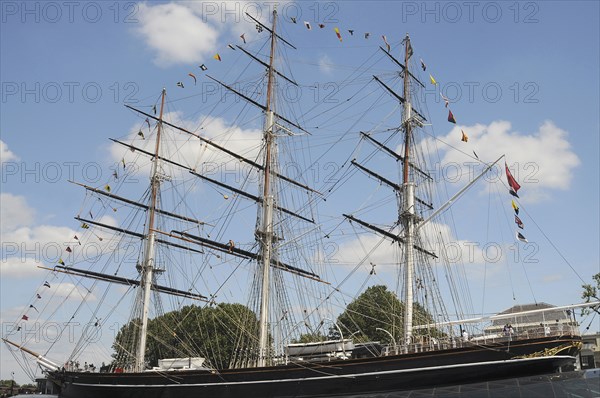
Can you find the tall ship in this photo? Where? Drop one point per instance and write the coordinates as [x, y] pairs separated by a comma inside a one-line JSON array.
[[232, 216]]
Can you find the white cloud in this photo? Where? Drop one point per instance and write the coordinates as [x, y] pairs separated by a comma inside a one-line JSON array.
[[17, 267], [14, 212], [188, 150], [25, 246], [325, 64], [448, 248], [540, 161], [176, 32], [5, 154], [71, 291]]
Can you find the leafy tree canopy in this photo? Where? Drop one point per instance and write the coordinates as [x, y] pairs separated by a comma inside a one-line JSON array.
[[214, 333], [591, 292], [376, 309]]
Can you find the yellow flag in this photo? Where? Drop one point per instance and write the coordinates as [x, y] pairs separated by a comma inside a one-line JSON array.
[[432, 80], [338, 34], [465, 138], [217, 57]]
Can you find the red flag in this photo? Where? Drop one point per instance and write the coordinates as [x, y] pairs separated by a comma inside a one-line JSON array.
[[451, 118], [512, 183], [518, 222], [25, 317]]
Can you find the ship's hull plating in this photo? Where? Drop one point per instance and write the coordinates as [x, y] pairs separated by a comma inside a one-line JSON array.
[[382, 374]]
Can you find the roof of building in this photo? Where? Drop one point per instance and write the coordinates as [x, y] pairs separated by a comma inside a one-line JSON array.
[[537, 318]]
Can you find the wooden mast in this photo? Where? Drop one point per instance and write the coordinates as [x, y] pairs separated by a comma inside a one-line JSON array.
[[149, 258], [408, 205], [266, 233]]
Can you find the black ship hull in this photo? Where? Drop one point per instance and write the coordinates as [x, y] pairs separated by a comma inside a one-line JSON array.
[[473, 363]]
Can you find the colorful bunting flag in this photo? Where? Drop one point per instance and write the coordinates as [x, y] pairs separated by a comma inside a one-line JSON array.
[[386, 43], [141, 134], [193, 77], [337, 33], [515, 207], [367, 35], [432, 80], [180, 84], [465, 138], [321, 25], [61, 262], [231, 46], [203, 67], [293, 19], [38, 296], [77, 239], [115, 175], [107, 188], [518, 222], [423, 65], [68, 249], [85, 226], [147, 122], [307, 25], [46, 284], [521, 237], [512, 183], [25, 317], [351, 31], [259, 28], [154, 109], [243, 37], [31, 306], [217, 57], [451, 118], [446, 100]]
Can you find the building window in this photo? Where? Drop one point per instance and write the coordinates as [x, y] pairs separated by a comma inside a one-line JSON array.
[[587, 362]]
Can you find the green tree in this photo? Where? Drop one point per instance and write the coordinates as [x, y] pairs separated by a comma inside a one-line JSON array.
[[376, 309], [215, 333], [592, 292], [8, 383], [310, 338]]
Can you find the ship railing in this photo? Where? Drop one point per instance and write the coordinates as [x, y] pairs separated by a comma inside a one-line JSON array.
[[428, 343]]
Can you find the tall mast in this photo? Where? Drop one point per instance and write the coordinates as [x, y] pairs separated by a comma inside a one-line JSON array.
[[408, 206], [267, 216], [149, 262]]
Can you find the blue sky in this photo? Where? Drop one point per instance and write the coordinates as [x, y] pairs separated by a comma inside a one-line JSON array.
[[533, 68]]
